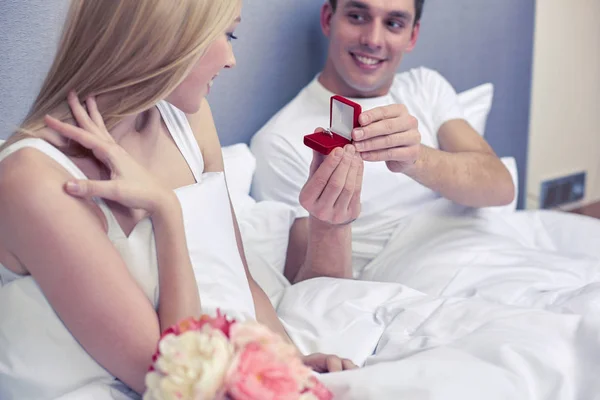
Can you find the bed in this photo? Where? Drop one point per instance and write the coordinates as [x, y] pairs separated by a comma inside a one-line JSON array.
[[492, 303], [445, 332]]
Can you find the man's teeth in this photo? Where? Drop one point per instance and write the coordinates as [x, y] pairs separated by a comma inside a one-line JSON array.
[[367, 60]]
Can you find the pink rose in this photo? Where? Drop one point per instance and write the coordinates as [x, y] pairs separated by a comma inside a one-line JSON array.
[[259, 375]]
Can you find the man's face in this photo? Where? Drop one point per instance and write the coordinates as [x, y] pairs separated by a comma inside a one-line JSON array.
[[367, 41]]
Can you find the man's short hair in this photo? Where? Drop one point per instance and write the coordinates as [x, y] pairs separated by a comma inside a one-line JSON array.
[[418, 8]]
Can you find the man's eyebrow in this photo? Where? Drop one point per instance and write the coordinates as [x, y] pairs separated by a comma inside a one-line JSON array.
[[401, 14], [405, 15], [357, 4]]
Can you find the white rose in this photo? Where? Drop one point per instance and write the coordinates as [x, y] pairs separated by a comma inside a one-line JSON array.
[[190, 366]]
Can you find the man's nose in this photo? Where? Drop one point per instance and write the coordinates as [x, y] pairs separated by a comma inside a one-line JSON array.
[[372, 35]]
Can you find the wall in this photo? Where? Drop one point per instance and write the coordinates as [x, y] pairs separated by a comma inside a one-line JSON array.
[[29, 34], [565, 103]]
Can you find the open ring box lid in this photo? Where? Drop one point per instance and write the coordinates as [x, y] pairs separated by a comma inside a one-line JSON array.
[[343, 118]]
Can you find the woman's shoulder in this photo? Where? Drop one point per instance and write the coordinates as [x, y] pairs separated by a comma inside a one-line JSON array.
[[28, 177], [26, 165], [30, 180]]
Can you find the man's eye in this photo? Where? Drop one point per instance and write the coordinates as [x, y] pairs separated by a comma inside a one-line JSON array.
[[396, 24], [356, 17]]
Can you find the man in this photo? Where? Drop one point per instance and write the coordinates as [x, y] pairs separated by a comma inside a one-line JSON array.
[[413, 140]]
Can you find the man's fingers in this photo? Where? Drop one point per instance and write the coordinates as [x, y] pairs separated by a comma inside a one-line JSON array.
[[318, 181], [317, 160], [337, 181], [403, 128], [381, 113], [343, 201], [399, 154]]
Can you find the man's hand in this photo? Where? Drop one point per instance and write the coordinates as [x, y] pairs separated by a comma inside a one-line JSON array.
[[388, 134], [324, 363], [332, 192]]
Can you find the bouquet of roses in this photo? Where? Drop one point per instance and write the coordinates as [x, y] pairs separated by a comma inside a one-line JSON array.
[[217, 358]]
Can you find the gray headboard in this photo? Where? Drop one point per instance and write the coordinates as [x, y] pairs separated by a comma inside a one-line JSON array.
[[281, 48]]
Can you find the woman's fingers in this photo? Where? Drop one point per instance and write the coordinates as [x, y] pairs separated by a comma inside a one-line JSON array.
[[81, 115], [88, 189], [95, 115], [115, 190], [348, 364], [79, 135]]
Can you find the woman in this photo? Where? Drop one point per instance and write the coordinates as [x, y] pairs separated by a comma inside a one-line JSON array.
[[81, 275]]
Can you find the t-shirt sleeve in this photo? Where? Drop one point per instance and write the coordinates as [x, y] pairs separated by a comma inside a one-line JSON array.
[[442, 98], [281, 171]]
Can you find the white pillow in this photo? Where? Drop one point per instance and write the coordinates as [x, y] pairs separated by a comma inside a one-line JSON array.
[[265, 229], [240, 165], [264, 226], [476, 104]]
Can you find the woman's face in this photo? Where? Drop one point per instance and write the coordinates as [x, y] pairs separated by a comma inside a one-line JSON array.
[[190, 92]]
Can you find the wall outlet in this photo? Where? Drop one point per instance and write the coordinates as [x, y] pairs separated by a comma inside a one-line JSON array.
[[563, 190]]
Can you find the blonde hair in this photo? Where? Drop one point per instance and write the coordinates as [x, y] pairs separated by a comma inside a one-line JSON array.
[[137, 50]]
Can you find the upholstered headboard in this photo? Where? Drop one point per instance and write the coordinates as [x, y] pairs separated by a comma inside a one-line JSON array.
[[281, 48]]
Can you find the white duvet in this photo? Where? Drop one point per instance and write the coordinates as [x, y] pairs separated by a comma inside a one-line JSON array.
[[489, 306], [461, 304]]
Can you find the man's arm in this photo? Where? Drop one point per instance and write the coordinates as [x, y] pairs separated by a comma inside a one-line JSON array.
[[321, 245], [318, 249], [327, 195], [465, 169]]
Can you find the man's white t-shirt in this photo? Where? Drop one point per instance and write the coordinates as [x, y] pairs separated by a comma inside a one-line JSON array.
[[283, 161]]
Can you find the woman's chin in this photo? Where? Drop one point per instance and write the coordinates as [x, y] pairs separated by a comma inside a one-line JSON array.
[[189, 107]]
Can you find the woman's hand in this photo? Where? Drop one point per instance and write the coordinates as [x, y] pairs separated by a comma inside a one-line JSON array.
[[324, 363], [130, 184]]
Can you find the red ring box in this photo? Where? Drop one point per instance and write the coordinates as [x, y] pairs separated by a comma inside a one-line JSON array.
[[343, 118]]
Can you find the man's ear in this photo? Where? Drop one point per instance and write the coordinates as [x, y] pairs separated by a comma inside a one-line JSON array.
[[326, 14], [414, 36]]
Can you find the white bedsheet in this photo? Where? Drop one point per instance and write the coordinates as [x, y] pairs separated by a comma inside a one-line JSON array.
[[490, 306], [434, 348]]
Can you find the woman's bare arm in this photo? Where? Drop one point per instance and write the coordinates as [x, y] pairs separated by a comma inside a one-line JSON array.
[[61, 241]]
